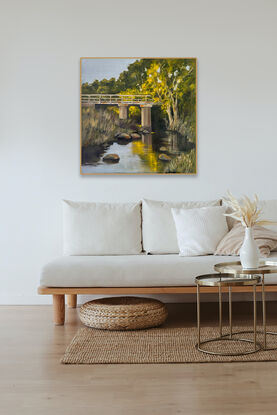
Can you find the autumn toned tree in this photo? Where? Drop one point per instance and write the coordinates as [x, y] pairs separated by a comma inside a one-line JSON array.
[[168, 81]]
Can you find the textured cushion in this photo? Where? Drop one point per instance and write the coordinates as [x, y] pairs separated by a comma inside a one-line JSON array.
[[231, 222], [158, 228], [199, 230], [269, 212], [266, 240], [131, 270], [101, 228]]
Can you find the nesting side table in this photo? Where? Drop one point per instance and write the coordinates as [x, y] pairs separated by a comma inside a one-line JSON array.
[[227, 280], [265, 267]]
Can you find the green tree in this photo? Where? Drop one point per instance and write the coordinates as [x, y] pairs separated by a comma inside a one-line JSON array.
[[169, 81], [134, 76]]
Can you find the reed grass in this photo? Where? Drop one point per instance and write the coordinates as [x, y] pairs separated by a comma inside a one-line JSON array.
[[184, 163], [100, 126]]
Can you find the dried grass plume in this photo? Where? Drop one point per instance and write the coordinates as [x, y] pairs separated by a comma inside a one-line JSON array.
[[246, 211]]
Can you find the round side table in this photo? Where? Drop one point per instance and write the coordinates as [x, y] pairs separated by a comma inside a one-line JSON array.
[[227, 280], [266, 267]]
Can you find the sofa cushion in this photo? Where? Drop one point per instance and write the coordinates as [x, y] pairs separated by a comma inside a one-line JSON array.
[[101, 228], [269, 212], [199, 230], [269, 209], [131, 271], [266, 240], [158, 228]]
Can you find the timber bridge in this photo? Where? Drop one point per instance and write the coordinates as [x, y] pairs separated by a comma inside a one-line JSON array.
[[145, 102]]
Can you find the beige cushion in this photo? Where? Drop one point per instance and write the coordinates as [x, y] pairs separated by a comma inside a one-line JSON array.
[[266, 240]]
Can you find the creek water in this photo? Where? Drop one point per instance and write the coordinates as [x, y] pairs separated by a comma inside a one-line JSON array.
[[137, 156]]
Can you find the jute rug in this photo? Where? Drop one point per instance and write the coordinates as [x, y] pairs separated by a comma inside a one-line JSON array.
[[159, 345]]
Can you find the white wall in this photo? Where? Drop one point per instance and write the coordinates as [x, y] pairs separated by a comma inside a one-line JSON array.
[[41, 43]]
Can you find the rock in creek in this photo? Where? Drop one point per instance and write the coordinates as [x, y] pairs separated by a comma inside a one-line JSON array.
[[111, 158], [164, 157], [163, 148], [123, 136], [135, 136]]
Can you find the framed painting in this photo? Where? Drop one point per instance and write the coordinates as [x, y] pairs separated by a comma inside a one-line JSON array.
[[138, 115]]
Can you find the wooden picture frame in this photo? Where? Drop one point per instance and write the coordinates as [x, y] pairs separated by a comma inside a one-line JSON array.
[[137, 130]]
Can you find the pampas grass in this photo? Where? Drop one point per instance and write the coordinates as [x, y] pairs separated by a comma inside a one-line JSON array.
[[246, 211]]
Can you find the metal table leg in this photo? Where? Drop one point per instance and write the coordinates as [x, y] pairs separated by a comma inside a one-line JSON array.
[[255, 316], [230, 312], [264, 311], [198, 314], [220, 310], [265, 332]]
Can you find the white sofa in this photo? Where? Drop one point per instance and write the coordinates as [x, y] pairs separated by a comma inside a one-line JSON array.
[[146, 258]]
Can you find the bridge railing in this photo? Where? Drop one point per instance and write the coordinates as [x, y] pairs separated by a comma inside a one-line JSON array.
[[88, 99]]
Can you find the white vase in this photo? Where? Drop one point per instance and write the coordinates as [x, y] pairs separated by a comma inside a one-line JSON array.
[[249, 252]]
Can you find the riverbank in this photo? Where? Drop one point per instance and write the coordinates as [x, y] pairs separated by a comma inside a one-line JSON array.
[[100, 126]]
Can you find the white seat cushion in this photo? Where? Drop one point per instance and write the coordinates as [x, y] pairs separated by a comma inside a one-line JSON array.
[[158, 228], [132, 270]]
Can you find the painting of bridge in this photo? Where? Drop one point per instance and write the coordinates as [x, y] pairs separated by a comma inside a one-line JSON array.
[[145, 102], [138, 115]]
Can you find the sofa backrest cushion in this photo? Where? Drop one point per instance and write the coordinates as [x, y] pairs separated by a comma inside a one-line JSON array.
[[269, 212], [101, 228], [158, 227]]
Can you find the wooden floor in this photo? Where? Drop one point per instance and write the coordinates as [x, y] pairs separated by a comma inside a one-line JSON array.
[[32, 381]]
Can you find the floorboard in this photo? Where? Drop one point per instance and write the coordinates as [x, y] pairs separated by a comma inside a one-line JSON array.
[[32, 381]]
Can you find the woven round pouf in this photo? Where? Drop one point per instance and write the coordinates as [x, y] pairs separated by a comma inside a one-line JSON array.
[[123, 313]]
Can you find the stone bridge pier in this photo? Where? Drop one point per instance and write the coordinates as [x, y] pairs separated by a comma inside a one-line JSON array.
[[145, 114], [123, 111]]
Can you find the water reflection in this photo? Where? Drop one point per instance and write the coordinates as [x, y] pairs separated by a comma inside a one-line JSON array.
[[147, 139], [137, 156]]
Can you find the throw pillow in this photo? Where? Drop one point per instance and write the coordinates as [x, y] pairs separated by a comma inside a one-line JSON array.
[[266, 241], [199, 230]]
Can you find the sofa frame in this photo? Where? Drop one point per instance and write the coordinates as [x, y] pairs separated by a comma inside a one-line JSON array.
[[58, 294]]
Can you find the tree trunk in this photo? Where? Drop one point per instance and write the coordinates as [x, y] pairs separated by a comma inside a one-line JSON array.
[[175, 115], [170, 118], [175, 112]]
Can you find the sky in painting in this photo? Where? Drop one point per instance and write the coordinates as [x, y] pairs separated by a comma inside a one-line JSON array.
[[93, 69]]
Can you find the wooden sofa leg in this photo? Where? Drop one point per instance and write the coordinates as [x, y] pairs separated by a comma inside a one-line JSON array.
[[72, 300], [59, 313]]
